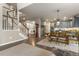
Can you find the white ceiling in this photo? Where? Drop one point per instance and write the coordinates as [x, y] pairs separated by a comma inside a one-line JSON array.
[[22, 5], [49, 9]]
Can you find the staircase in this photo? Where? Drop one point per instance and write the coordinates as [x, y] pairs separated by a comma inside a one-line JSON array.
[[10, 21], [24, 31]]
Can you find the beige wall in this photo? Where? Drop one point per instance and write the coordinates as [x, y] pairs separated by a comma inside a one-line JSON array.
[[9, 36], [47, 27]]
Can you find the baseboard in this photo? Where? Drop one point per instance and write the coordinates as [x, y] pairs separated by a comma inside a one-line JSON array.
[[11, 44]]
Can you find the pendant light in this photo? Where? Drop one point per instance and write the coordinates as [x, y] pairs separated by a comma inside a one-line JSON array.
[[58, 20]]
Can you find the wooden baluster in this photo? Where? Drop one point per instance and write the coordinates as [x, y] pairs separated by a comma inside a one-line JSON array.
[[3, 23], [12, 24], [7, 22]]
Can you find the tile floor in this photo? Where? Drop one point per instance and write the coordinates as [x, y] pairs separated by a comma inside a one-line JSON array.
[[24, 49]]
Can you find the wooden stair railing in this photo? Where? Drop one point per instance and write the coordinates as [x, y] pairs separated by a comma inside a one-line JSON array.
[[24, 30], [6, 25]]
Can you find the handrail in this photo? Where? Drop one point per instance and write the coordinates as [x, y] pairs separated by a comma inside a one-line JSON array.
[[24, 26], [25, 29], [9, 16], [8, 9]]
